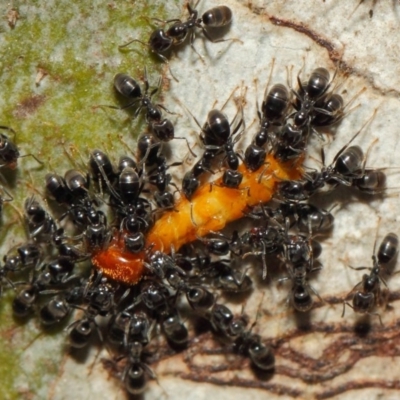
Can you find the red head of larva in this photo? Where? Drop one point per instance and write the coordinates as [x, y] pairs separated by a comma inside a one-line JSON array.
[[118, 264]]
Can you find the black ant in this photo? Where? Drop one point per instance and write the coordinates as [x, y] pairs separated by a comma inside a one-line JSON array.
[[199, 298], [291, 140], [132, 330], [150, 155], [367, 293], [373, 181], [308, 95], [300, 295], [100, 165], [99, 296], [217, 138], [56, 189], [161, 41], [293, 213], [273, 108], [41, 224], [162, 128], [347, 168], [136, 210], [174, 329], [300, 253], [264, 240], [129, 88], [25, 300], [134, 374], [9, 152], [245, 342], [191, 181], [57, 308], [228, 278]]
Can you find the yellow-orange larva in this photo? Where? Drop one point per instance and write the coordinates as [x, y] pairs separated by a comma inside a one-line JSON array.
[[210, 209]]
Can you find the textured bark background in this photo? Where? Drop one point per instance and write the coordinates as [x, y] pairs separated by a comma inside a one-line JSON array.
[[57, 63]]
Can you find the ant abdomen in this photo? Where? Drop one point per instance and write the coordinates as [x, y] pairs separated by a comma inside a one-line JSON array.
[[301, 298], [372, 182], [388, 248], [349, 162], [217, 129], [159, 41], [276, 102], [217, 17], [127, 86], [318, 83], [329, 110], [261, 356]]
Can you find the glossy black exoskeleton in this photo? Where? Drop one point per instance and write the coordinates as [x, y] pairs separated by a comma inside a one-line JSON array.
[[367, 294], [308, 95], [191, 180], [25, 300], [58, 308], [162, 40], [9, 152], [263, 241], [134, 375], [251, 345], [100, 165], [174, 329], [40, 223], [57, 189], [129, 88]]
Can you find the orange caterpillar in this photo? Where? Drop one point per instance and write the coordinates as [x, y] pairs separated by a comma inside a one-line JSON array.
[[210, 209]]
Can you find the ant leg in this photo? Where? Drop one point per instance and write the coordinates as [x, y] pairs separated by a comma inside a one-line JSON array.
[[317, 294], [161, 21], [366, 156], [166, 110], [146, 82], [165, 60], [262, 176], [354, 136], [227, 100], [264, 261], [192, 216], [269, 78], [359, 268], [10, 198], [377, 315], [32, 155], [345, 303], [298, 76], [207, 35], [102, 106], [190, 9], [130, 42], [192, 37], [9, 129], [187, 143], [355, 9]]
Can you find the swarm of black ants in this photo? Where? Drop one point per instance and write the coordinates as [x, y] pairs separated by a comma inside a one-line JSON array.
[[125, 199]]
